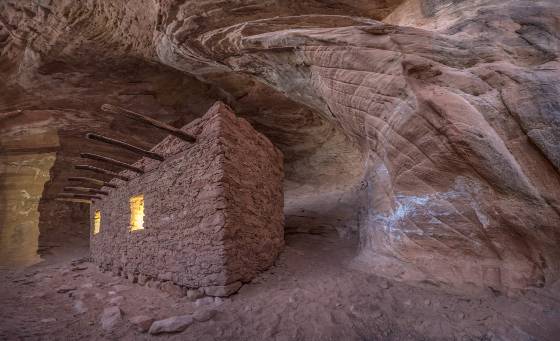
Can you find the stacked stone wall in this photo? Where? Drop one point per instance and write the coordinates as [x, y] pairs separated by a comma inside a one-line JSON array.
[[213, 210]]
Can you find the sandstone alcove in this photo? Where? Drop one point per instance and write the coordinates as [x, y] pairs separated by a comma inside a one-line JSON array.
[[421, 164]]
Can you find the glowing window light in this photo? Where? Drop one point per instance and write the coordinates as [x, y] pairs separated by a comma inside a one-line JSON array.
[[137, 213], [96, 222]]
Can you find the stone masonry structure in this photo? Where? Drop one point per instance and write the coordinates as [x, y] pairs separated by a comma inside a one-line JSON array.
[[213, 210]]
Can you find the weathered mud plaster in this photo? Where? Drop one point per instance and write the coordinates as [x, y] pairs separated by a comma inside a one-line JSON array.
[[213, 210]]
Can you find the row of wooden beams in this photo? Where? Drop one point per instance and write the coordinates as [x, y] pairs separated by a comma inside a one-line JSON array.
[[102, 171], [85, 190], [148, 120], [92, 181], [125, 145], [111, 161], [92, 193]]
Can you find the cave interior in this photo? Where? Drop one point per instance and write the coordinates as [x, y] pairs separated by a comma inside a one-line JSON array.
[[402, 183]]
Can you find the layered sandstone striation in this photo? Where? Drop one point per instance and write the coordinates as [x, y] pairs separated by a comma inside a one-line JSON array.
[[430, 129], [212, 210]]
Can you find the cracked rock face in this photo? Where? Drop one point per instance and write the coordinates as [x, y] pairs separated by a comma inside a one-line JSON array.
[[430, 129]]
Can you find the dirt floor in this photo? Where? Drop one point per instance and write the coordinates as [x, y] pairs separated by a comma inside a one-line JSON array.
[[311, 294]]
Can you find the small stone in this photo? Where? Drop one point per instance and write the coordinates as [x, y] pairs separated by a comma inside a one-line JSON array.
[[427, 302], [64, 289], [41, 294], [82, 295], [87, 286], [49, 320], [120, 287], [376, 314], [171, 289], [220, 300], [80, 307], [204, 301], [153, 284], [384, 285], [39, 276], [141, 322], [131, 278], [110, 317], [461, 316], [194, 294], [204, 315], [116, 300], [165, 276], [171, 325], [142, 279], [78, 261], [222, 290]]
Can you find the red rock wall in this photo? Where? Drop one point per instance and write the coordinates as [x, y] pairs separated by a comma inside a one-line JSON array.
[[212, 210]]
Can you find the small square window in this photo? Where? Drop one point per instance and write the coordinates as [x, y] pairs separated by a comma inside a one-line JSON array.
[[137, 213], [97, 222]]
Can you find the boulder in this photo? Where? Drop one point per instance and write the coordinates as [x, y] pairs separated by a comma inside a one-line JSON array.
[[173, 324], [110, 317]]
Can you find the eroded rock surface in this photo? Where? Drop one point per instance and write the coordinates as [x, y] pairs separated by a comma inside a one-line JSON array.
[[429, 128]]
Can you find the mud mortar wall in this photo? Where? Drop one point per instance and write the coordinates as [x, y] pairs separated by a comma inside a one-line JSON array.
[[213, 210]]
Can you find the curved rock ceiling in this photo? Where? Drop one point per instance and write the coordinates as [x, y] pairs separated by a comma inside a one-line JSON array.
[[429, 128]]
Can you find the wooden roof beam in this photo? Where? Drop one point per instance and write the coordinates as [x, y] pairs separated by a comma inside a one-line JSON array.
[[111, 161], [148, 120], [102, 171], [85, 190], [78, 196], [79, 201], [92, 181], [125, 145]]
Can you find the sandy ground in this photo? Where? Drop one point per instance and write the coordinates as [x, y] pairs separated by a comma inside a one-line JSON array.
[[311, 294]]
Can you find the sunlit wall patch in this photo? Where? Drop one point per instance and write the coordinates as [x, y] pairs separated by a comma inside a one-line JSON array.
[[97, 222], [137, 212]]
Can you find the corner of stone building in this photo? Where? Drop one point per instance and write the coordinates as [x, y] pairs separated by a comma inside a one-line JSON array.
[[234, 204]]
